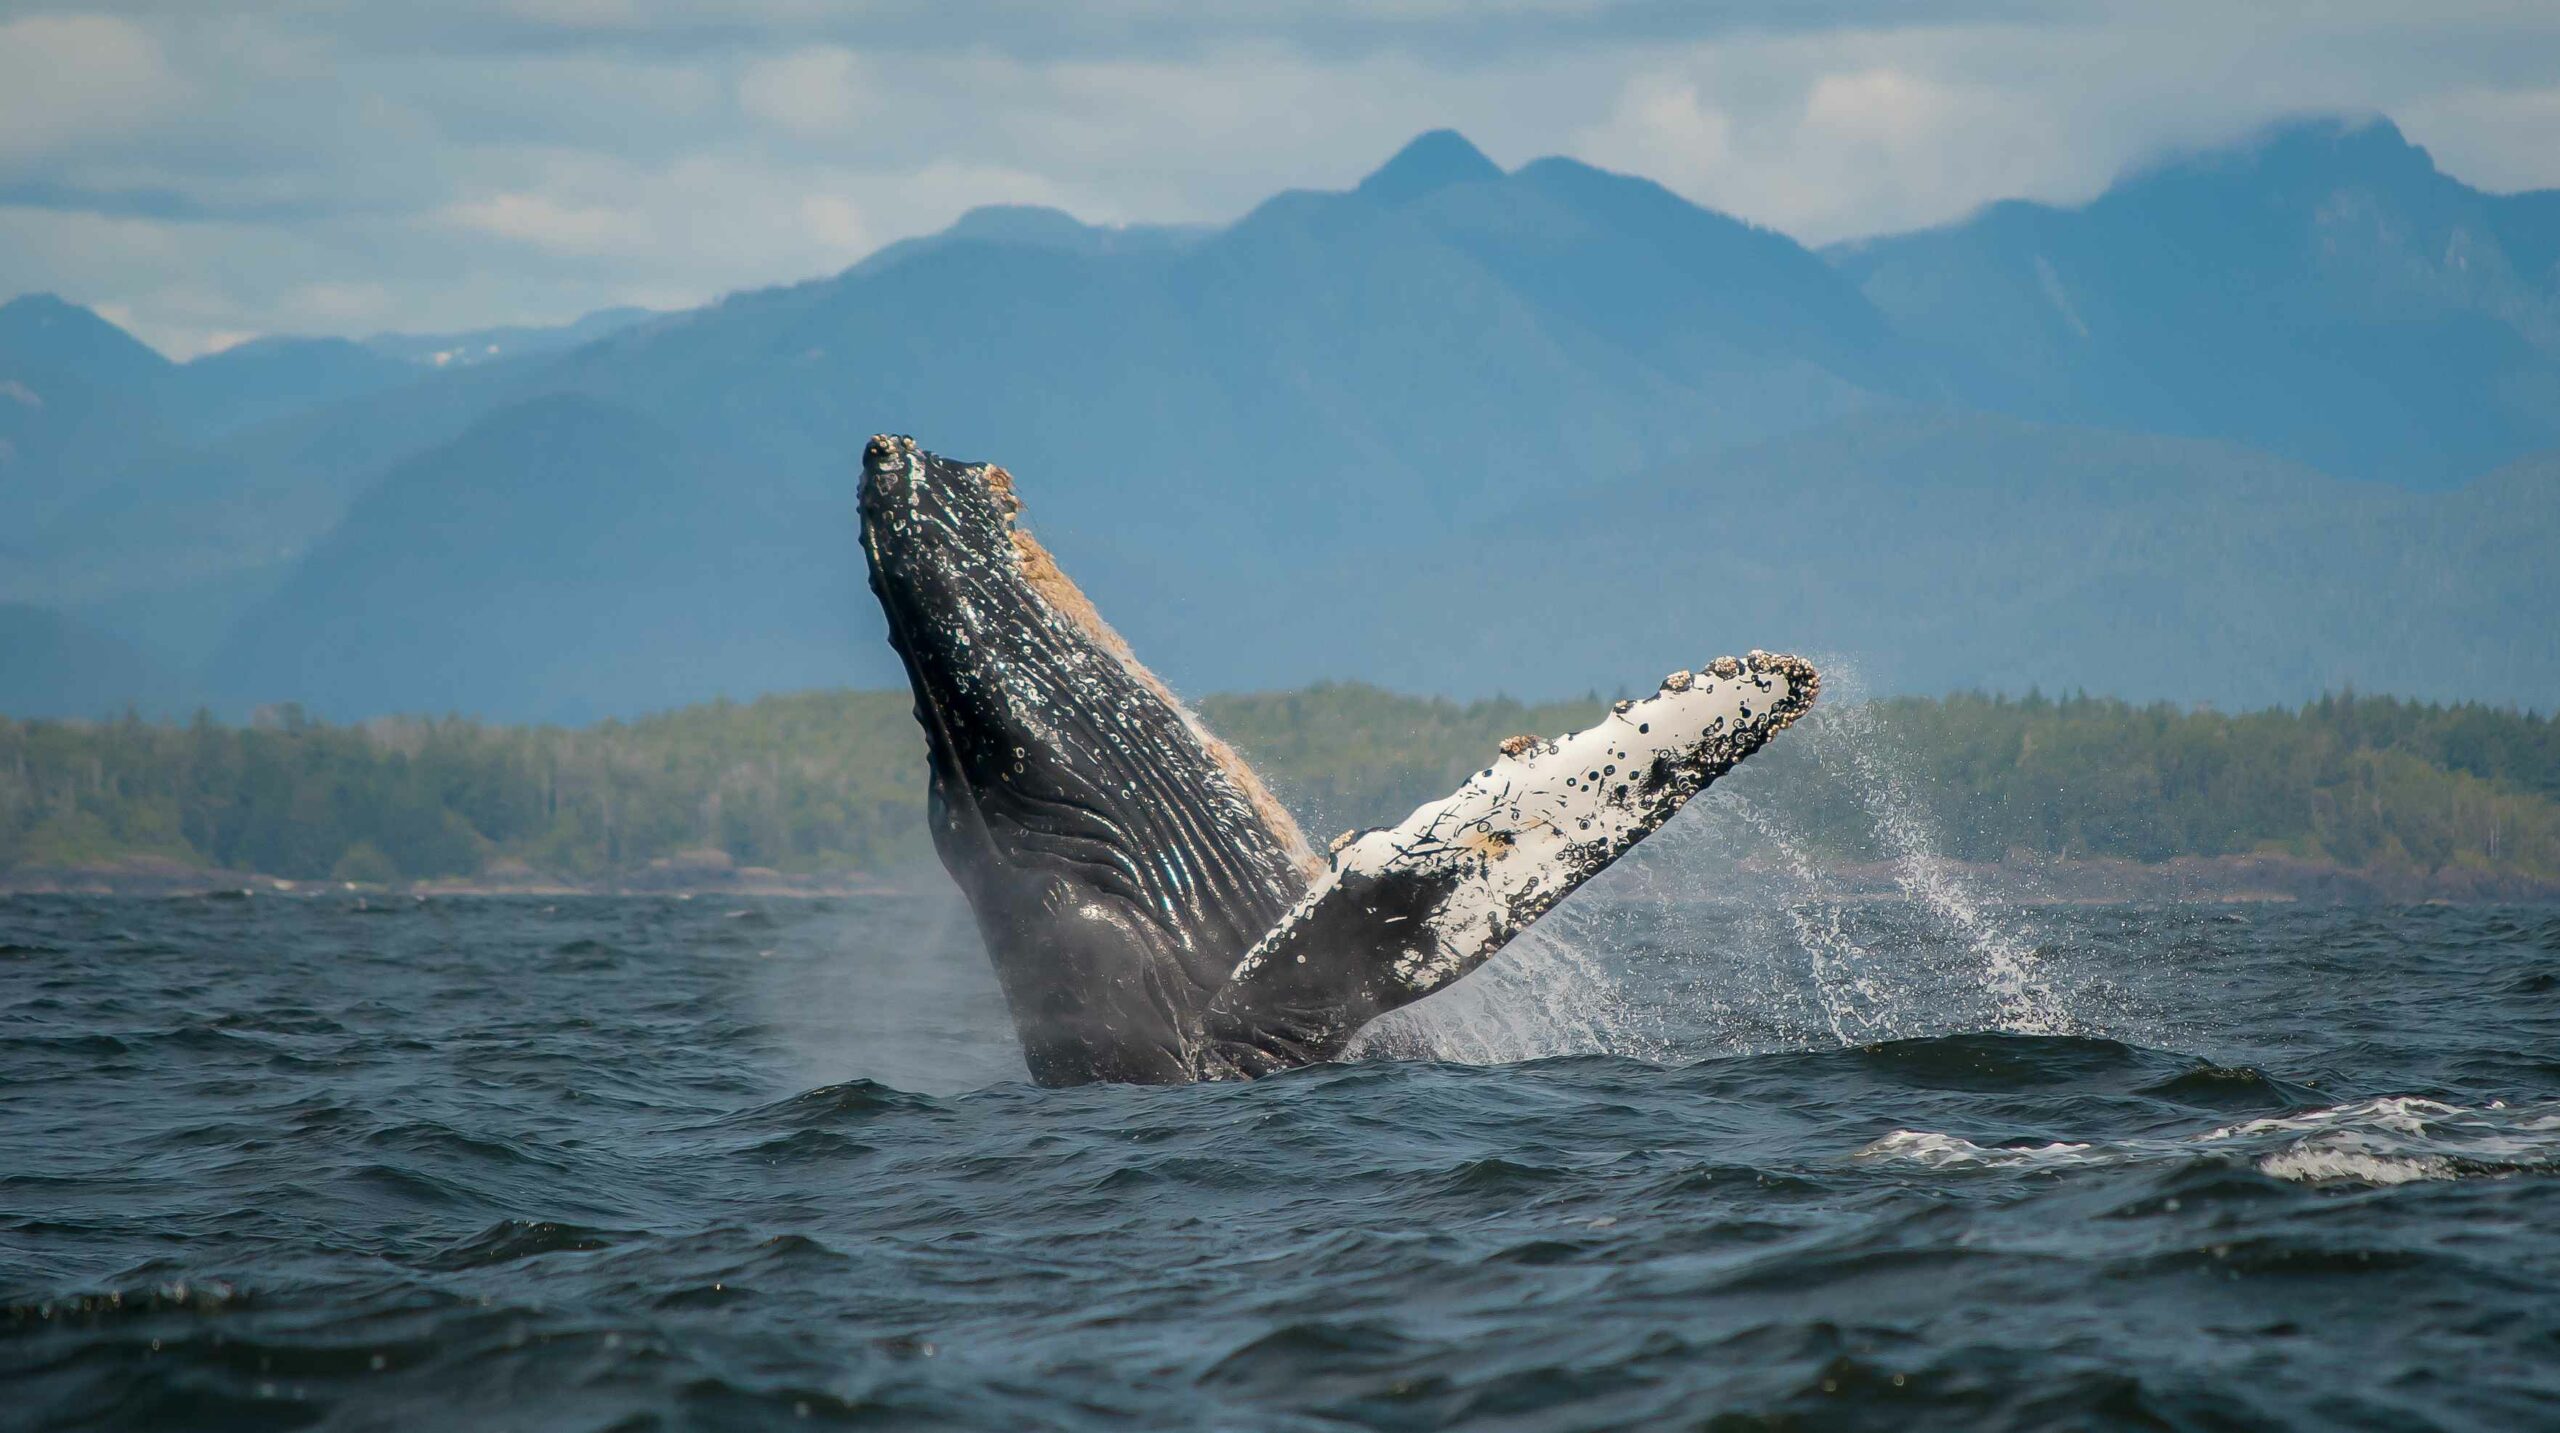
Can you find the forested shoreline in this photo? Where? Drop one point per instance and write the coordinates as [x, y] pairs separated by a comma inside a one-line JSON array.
[[829, 785]]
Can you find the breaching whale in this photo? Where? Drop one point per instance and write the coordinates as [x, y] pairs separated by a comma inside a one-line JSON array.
[[1152, 912]]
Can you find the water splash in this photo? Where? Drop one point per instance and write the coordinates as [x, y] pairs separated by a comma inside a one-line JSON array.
[[1730, 920], [1547, 995], [2012, 967], [1856, 999]]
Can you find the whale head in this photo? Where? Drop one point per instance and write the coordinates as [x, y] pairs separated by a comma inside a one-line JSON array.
[[1118, 857]]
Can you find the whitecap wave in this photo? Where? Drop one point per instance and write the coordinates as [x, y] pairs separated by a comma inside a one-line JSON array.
[[2347, 1166], [1946, 1151], [2398, 1139], [2401, 1138]]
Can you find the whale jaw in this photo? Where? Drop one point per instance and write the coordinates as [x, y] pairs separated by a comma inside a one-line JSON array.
[[1151, 912]]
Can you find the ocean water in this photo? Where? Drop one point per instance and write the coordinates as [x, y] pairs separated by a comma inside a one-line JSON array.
[[1780, 1160]]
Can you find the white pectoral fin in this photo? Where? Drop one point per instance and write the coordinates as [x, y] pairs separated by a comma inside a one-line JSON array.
[[1404, 910]]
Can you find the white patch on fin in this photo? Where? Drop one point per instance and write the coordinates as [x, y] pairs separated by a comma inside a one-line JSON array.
[[1519, 836]]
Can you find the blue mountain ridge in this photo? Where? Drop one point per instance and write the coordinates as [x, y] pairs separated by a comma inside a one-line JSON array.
[[1454, 428], [2321, 291]]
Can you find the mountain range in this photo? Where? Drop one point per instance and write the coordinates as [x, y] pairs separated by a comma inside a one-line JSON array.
[[2255, 422]]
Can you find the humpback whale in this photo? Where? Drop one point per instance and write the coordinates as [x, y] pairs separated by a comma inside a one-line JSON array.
[[1152, 911]]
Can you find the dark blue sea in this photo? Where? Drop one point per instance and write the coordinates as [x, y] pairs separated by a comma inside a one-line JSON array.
[[368, 1162]]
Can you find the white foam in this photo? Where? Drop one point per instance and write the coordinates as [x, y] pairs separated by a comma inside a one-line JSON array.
[[2398, 1139], [2325, 1166], [2403, 1114], [2401, 1138], [1946, 1151]]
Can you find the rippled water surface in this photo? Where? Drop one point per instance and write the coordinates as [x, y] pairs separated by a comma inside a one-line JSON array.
[[623, 1162]]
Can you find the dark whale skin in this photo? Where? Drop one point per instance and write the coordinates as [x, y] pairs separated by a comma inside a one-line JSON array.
[[1151, 911], [1117, 870]]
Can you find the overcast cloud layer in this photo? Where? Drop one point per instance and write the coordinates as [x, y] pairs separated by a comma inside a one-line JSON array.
[[297, 167]]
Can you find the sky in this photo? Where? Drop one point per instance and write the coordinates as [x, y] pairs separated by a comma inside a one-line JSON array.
[[207, 173]]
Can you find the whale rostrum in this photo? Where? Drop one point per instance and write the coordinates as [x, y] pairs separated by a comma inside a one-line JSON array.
[[1152, 912]]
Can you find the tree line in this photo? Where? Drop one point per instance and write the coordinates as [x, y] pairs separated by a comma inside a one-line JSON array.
[[833, 782]]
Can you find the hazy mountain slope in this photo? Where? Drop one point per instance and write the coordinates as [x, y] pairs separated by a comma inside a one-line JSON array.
[[121, 501], [86, 408], [505, 343], [210, 509], [2489, 565], [49, 333], [79, 399], [271, 378], [2322, 292], [51, 665], [234, 462], [562, 559], [1036, 226], [178, 624], [1691, 291], [1941, 552], [1911, 553]]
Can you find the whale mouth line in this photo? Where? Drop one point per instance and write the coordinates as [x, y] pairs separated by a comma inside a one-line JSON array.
[[1038, 578], [1152, 911]]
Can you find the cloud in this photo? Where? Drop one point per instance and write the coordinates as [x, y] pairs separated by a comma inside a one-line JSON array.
[[1858, 131], [69, 80], [2497, 138], [1851, 135], [223, 169], [546, 223], [814, 92]]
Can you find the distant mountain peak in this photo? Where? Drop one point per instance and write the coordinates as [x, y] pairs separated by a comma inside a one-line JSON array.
[[30, 312], [1032, 226], [1018, 222], [1432, 161], [37, 304], [48, 328], [2371, 133], [2314, 149], [2369, 145]]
